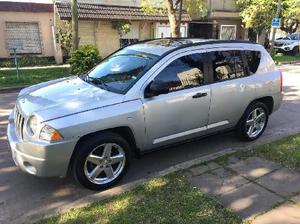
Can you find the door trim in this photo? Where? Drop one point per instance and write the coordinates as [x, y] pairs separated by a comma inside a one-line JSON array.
[[189, 132]]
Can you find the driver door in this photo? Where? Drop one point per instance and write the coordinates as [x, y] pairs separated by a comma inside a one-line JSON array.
[[182, 113]]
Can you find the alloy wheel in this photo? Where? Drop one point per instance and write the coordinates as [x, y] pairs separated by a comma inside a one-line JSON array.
[[105, 163], [256, 122]]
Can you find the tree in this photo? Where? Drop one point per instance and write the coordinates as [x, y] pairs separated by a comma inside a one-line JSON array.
[[257, 15], [75, 39], [173, 8], [290, 16]]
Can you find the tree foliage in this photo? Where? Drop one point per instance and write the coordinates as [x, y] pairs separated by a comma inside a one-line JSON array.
[[123, 27], [290, 15], [258, 14], [64, 32], [196, 8]]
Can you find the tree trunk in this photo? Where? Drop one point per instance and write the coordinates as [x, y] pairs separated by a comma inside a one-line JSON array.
[[172, 19], [75, 38], [262, 37]]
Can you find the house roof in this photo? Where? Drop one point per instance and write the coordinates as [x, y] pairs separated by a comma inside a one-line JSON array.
[[25, 7], [103, 12]]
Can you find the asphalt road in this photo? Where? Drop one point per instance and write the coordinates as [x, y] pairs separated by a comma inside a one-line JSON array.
[[22, 195]]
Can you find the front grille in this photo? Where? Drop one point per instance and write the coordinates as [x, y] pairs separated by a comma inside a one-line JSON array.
[[278, 44], [19, 123]]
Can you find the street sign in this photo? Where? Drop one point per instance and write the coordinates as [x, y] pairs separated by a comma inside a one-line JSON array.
[[276, 22]]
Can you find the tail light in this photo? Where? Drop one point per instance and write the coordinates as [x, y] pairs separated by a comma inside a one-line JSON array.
[[281, 82]]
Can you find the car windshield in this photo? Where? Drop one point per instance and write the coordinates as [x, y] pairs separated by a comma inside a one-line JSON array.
[[292, 37], [120, 71]]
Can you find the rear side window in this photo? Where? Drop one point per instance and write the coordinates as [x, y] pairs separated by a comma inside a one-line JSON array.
[[183, 73], [227, 65], [253, 60]]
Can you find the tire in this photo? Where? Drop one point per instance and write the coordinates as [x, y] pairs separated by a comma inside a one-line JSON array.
[[247, 120], [295, 51], [101, 160]]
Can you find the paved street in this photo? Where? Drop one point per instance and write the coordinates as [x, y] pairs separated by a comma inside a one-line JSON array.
[[22, 195]]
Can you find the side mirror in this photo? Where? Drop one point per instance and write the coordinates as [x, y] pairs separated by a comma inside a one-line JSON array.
[[156, 88]]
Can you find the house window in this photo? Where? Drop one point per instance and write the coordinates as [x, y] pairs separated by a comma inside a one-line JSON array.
[[228, 32], [125, 42], [24, 37]]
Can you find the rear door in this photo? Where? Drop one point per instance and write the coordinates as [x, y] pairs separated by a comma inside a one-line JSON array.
[[232, 88]]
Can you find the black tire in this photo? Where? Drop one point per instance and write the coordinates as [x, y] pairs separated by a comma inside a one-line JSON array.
[[83, 150], [295, 51], [241, 128]]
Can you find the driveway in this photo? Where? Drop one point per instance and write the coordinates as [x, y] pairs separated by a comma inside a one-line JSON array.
[[22, 195]]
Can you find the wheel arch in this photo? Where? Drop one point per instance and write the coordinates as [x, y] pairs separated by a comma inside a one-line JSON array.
[[123, 131]]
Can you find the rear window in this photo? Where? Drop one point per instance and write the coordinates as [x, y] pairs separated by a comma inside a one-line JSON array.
[[227, 65], [253, 60]]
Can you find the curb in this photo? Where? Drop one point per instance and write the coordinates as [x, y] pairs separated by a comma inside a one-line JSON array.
[[11, 89], [33, 217]]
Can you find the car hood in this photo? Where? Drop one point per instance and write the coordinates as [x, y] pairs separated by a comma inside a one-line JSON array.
[[286, 41], [63, 97]]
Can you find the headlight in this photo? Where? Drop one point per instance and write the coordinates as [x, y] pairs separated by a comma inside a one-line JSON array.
[[32, 125], [50, 134]]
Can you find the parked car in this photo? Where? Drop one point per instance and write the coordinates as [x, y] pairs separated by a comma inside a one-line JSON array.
[[143, 97], [289, 44]]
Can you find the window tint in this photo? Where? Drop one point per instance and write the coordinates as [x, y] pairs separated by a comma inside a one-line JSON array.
[[227, 65], [185, 72], [253, 60]]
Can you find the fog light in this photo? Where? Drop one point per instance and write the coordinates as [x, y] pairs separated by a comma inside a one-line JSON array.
[[29, 168]]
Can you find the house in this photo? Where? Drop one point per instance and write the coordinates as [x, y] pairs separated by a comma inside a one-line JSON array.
[[96, 20], [222, 22], [27, 27]]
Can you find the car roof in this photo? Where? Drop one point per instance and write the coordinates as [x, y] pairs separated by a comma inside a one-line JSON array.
[[166, 45]]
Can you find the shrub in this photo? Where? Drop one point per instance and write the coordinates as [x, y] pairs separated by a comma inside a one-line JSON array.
[[84, 59], [28, 60]]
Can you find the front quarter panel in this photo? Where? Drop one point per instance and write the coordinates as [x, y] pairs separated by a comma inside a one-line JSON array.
[[129, 114]]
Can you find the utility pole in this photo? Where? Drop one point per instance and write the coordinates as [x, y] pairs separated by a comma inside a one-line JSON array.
[[274, 28], [75, 38]]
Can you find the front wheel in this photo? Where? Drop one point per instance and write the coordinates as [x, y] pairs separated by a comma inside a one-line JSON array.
[[101, 161], [295, 51], [253, 122]]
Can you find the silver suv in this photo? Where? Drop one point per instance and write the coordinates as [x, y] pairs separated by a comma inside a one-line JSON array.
[[145, 96]]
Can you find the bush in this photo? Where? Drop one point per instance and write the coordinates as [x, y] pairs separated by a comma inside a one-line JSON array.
[[84, 59]]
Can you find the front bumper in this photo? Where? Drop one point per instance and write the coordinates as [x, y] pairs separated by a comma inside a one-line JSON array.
[[40, 158], [283, 49]]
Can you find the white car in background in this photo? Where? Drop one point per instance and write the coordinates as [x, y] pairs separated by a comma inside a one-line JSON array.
[[289, 44]]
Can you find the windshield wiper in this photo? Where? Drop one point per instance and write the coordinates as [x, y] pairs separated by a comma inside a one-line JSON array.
[[96, 81]]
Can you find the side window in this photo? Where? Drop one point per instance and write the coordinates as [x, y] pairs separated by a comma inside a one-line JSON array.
[[227, 65], [253, 60], [183, 73]]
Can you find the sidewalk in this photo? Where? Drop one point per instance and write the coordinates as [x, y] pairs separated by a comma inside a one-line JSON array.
[[259, 190]]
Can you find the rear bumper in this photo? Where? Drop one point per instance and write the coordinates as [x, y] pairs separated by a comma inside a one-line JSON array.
[[277, 101], [39, 158]]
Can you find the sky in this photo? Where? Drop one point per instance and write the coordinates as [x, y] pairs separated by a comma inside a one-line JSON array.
[[39, 1]]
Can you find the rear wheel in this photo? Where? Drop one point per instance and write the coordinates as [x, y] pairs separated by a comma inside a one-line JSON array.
[[253, 122], [101, 161]]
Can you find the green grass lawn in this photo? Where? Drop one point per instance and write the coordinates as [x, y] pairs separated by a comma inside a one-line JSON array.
[[172, 199], [169, 199], [8, 78], [281, 58], [285, 151]]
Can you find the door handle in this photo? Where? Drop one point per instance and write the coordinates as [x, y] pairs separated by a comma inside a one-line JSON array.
[[198, 95]]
